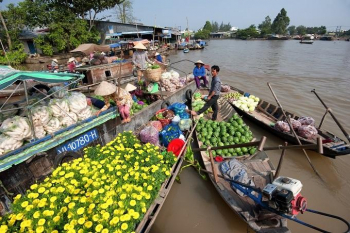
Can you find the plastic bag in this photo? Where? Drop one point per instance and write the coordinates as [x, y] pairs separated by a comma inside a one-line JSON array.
[[307, 131], [282, 126], [150, 134], [295, 124], [307, 121], [169, 133], [180, 110], [157, 125], [225, 88], [185, 124]]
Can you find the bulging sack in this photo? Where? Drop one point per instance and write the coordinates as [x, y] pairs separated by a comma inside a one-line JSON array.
[[150, 134]]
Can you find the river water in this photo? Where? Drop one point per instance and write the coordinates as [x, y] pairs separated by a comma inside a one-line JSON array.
[[294, 70]]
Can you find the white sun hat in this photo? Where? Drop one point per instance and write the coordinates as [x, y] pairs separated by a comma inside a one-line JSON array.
[[140, 46], [129, 87], [105, 88]]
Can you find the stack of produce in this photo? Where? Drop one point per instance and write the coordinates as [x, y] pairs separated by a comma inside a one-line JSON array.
[[109, 190], [213, 133], [247, 104], [78, 105], [170, 81], [232, 96], [304, 127], [137, 107], [198, 103]]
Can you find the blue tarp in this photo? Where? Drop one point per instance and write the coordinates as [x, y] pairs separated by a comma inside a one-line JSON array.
[[115, 45]]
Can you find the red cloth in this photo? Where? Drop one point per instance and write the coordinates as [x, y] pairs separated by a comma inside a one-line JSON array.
[[219, 158], [71, 67], [124, 111]]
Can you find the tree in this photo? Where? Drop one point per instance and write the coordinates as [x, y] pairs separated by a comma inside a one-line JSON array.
[[281, 22], [265, 26], [292, 30], [301, 30], [82, 8], [202, 34], [215, 26], [208, 26], [124, 12], [322, 30], [247, 33]]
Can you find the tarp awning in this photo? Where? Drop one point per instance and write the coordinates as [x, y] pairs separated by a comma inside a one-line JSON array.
[[115, 45], [90, 48], [8, 76]]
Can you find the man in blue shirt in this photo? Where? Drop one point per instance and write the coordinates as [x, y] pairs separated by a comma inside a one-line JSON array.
[[199, 73], [159, 57], [214, 94]]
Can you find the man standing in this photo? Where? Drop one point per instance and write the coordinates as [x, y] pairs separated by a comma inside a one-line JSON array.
[[214, 94]]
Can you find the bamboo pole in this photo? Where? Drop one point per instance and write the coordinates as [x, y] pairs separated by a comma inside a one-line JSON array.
[[291, 127]]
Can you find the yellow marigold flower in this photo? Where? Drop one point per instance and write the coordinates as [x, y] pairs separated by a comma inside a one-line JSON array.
[[56, 218], [36, 214], [81, 221], [67, 199], [99, 228], [41, 221], [121, 204], [71, 205], [105, 231], [95, 218], [24, 204], [29, 207], [124, 226], [136, 215], [132, 202], [91, 206], [34, 186], [3, 228], [101, 190], [54, 231], [64, 209], [106, 216], [39, 229], [35, 195], [144, 209], [104, 206], [138, 197], [80, 211], [19, 216], [88, 224], [53, 199], [114, 221], [167, 173], [149, 188], [123, 196], [41, 190]]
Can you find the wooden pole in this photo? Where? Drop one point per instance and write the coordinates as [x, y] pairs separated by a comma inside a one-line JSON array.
[[280, 162], [334, 118], [215, 173], [291, 127]]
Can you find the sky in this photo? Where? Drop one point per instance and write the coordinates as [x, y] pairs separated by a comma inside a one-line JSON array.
[[239, 13]]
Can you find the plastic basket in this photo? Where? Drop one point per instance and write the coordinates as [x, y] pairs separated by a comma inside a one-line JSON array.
[[153, 74], [165, 121]]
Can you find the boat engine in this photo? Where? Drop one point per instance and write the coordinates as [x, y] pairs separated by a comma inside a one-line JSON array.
[[284, 196]]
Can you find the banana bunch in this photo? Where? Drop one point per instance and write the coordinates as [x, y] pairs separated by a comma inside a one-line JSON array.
[[232, 96]]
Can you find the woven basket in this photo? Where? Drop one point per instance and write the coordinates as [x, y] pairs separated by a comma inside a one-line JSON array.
[[165, 121], [153, 74]]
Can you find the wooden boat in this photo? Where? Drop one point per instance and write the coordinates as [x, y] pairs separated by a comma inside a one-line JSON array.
[[35, 160], [259, 167], [306, 42], [267, 114]]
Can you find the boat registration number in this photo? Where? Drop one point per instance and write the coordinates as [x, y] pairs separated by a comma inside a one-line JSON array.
[[79, 142]]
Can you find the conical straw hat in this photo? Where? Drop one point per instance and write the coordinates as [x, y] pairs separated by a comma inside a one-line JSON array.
[[105, 88], [129, 87], [140, 46], [199, 61]]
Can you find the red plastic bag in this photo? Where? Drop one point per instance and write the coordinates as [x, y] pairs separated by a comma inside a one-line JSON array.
[[307, 121], [307, 131], [282, 126]]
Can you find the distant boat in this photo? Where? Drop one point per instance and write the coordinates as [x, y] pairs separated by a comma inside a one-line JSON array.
[[306, 42], [186, 50]]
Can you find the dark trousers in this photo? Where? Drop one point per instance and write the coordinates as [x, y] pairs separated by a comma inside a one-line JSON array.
[[213, 103]]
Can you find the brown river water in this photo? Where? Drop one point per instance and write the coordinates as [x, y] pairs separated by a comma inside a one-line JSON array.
[[294, 70]]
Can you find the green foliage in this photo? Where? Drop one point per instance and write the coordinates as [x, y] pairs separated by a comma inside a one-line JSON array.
[[301, 30], [292, 30], [202, 34], [15, 56], [280, 23], [265, 26], [208, 26], [316, 30], [215, 26], [247, 33]]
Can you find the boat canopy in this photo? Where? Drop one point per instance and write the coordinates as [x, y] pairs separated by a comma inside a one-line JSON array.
[[115, 45], [8, 76], [90, 48]]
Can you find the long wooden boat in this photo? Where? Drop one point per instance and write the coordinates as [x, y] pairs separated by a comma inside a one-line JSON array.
[[35, 160], [306, 42], [267, 114], [259, 167]]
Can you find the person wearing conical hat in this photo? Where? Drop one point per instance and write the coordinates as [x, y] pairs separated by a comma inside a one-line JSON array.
[[199, 73], [139, 59], [71, 65], [123, 101], [54, 64]]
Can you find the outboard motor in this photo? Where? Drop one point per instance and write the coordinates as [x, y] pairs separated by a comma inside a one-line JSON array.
[[284, 196]]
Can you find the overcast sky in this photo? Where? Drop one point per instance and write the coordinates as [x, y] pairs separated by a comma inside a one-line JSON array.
[[239, 13]]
